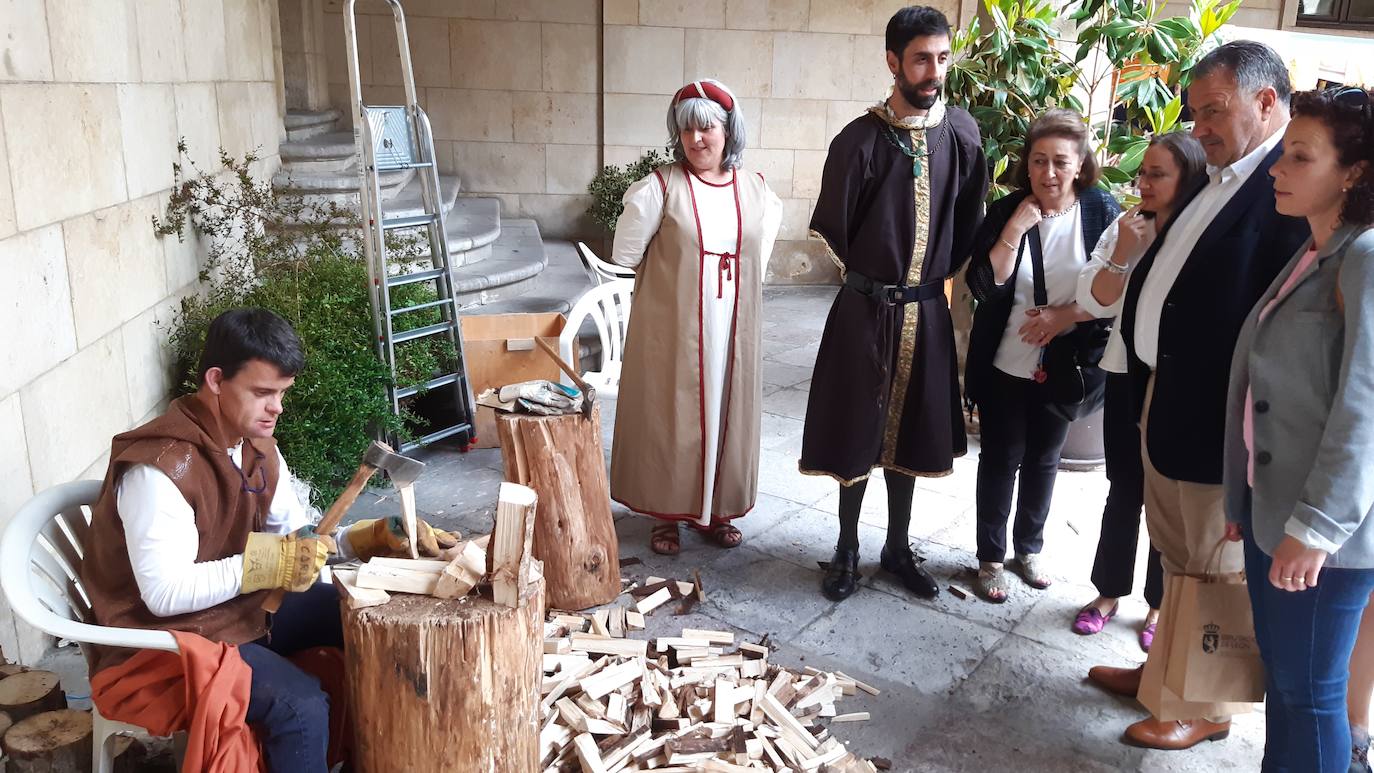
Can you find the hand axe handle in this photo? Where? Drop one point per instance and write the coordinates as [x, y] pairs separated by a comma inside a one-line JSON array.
[[566, 368], [330, 521]]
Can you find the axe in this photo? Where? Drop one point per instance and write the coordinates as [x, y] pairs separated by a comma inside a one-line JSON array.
[[403, 471], [588, 391]]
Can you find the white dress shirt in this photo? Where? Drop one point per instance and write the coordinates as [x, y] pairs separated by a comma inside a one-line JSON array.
[[1178, 244], [1114, 357], [1061, 246], [162, 539]]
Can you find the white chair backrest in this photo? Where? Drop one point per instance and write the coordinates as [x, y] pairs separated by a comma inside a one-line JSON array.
[[41, 552], [608, 306], [603, 271]]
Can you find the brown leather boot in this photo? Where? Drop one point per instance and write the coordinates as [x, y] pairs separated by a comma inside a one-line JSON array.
[[1118, 681], [1175, 735]]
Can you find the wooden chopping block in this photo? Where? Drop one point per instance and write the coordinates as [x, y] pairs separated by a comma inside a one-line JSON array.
[[561, 458]]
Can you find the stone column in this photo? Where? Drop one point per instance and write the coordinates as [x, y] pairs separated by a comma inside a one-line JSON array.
[[304, 70]]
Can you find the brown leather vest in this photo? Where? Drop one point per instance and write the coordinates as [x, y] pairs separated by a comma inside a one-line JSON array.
[[228, 504]]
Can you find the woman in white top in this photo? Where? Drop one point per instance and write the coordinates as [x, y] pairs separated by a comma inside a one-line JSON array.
[[698, 234], [1174, 164], [1060, 212]]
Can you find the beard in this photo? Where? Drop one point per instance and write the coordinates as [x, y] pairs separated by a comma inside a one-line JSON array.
[[913, 96]]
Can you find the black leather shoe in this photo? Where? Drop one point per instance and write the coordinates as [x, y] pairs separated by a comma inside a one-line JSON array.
[[902, 562], [842, 575]]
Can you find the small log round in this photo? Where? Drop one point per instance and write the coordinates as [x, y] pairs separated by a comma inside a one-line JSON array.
[[31, 692], [51, 742], [561, 458], [10, 669], [445, 684]]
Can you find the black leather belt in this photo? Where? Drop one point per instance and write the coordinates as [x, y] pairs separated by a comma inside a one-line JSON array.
[[893, 294]]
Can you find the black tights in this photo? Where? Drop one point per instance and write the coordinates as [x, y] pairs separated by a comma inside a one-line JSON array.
[[900, 489]]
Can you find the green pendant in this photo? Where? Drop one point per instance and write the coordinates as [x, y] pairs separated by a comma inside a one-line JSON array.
[[916, 167]]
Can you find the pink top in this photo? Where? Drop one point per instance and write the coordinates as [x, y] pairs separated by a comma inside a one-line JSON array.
[[1248, 423]]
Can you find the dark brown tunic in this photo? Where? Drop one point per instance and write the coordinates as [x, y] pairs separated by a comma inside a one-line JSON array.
[[182, 443], [885, 390]]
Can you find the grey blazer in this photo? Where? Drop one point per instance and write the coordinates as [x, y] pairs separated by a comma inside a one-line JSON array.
[[1310, 366]]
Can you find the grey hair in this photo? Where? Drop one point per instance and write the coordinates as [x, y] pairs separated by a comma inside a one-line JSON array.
[[1253, 64], [697, 113]]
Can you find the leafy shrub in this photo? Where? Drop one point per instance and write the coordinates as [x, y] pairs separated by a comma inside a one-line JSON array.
[[609, 186], [300, 259]]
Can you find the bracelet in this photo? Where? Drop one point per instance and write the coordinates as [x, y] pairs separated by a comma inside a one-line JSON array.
[[1116, 268], [1010, 246]]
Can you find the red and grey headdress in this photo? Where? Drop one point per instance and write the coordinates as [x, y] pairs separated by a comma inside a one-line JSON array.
[[705, 90]]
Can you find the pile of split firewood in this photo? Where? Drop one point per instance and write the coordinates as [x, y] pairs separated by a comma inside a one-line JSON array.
[[697, 702], [460, 568]]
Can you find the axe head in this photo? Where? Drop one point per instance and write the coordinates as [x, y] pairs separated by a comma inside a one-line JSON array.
[[401, 469]]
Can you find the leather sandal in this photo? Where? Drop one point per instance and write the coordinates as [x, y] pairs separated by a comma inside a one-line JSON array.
[[722, 534], [665, 539], [841, 574]]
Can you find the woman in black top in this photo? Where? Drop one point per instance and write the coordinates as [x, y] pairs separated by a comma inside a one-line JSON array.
[[1060, 213]]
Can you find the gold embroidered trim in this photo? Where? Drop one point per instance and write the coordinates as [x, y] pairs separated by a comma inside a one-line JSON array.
[[906, 352], [832, 476], [814, 234], [932, 118]]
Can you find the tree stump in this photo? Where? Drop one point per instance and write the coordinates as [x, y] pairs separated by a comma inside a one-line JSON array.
[[51, 742], [561, 458], [31, 692], [445, 684]]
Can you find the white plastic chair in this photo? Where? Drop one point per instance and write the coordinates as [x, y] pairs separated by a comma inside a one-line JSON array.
[[608, 306], [40, 563], [602, 271]]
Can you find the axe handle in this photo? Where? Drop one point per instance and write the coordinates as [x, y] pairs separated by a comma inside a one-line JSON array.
[[330, 521], [566, 368]]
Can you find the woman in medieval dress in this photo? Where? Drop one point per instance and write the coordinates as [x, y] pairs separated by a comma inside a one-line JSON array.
[[698, 233]]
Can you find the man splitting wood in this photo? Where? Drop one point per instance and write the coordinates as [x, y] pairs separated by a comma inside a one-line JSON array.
[[196, 523]]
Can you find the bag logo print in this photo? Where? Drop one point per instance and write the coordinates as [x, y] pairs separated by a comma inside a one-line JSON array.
[[1211, 637]]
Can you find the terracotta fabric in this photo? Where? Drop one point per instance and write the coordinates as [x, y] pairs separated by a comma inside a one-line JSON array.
[[327, 664], [202, 690], [657, 462], [185, 444]]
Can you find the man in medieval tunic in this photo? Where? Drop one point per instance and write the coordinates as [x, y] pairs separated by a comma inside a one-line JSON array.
[[197, 521], [901, 196]]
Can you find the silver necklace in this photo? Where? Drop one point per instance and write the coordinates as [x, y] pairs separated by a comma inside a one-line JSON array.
[[1062, 212]]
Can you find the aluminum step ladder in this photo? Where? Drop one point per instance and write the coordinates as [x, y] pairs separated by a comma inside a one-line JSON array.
[[398, 138]]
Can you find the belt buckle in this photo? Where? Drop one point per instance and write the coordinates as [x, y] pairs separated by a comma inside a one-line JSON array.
[[893, 294]]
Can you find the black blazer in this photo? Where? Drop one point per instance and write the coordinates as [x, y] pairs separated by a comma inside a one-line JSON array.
[[995, 301], [1229, 267]]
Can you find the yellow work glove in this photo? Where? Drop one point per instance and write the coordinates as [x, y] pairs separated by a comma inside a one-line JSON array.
[[287, 561], [387, 537]]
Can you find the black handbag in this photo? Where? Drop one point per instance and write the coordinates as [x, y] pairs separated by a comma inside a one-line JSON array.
[[1073, 386]]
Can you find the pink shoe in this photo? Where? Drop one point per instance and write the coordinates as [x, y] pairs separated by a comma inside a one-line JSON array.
[[1147, 637], [1090, 621]]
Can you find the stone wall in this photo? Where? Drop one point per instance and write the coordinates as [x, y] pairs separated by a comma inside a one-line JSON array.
[[93, 96], [512, 88], [801, 69], [528, 99]]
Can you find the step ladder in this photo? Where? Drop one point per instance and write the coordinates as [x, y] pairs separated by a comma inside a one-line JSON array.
[[397, 138]]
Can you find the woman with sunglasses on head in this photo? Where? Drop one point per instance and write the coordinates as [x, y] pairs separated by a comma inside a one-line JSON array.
[[1300, 431], [1173, 165]]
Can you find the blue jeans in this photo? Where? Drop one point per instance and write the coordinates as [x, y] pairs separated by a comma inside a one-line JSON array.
[[286, 707], [1305, 639]]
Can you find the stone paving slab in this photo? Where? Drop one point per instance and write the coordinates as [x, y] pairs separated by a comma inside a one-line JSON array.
[[967, 686]]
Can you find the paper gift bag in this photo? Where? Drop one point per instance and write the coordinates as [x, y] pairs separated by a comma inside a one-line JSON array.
[[1213, 654], [1162, 702]]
